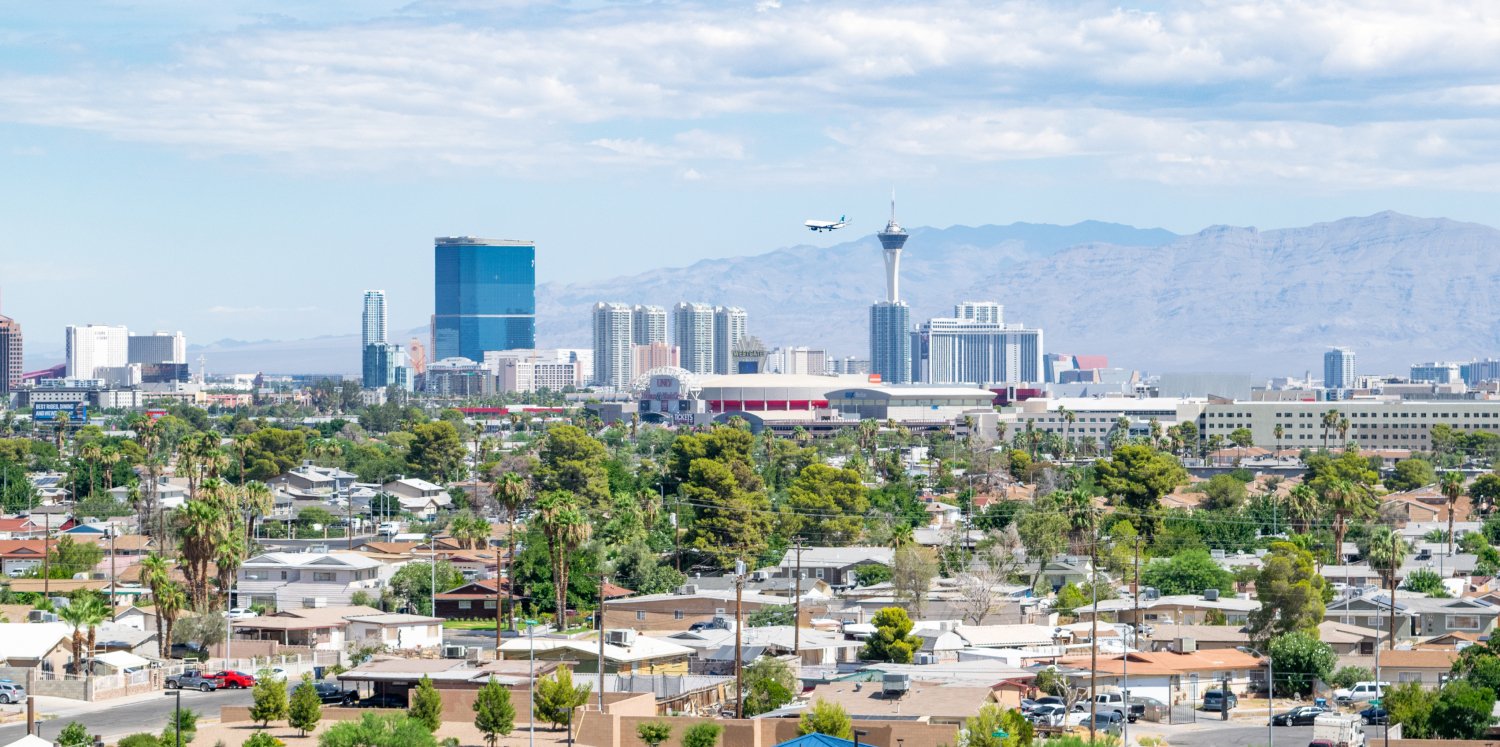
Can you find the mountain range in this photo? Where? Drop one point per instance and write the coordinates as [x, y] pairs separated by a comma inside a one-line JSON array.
[[1396, 288]]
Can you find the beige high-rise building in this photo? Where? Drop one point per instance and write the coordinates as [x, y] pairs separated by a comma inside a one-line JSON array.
[[655, 355]]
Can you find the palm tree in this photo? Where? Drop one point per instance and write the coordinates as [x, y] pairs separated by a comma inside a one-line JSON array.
[[170, 603], [1330, 421], [511, 492], [901, 535], [1452, 485], [1069, 418], [203, 526], [1347, 500], [1278, 431], [91, 453], [84, 611], [1386, 551], [1078, 506], [156, 574], [256, 500], [59, 428], [110, 458], [1343, 427], [1302, 506], [565, 528]]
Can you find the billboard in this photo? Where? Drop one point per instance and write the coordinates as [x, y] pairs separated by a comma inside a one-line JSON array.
[[78, 412]]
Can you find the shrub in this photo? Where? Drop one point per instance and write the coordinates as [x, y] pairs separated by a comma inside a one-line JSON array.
[[705, 734]]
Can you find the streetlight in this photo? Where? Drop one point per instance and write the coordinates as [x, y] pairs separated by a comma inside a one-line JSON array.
[[177, 715], [530, 688], [859, 733]]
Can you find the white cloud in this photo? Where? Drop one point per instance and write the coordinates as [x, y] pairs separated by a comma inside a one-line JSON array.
[[1269, 89]]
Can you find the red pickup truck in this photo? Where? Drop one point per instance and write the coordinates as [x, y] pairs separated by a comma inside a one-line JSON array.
[[231, 678]]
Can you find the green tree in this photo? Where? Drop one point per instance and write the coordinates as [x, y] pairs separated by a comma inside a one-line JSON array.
[[1485, 490], [1410, 705], [494, 716], [411, 584], [571, 460], [826, 718], [1348, 676], [1188, 572], [1290, 591], [270, 700], [270, 452], [74, 735], [436, 452], [1043, 530], [892, 640], [557, 697], [733, 512], [1140, 475], [566, 527], [1300, 659], [305, 709], [427, 705], [1462, 711], [769, 684], [827, 504], [870, 574], [1223, 493], [1480, 665], [1069, 599], [140, 740], [1425, 581], [705, 734], [1411, 474], [912, 569], [980, 729], [653, 733], [384, 730]]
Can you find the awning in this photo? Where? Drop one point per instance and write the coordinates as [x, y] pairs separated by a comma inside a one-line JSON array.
[[123, 660]]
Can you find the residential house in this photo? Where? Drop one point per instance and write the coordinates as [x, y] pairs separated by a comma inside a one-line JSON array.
[[44, 647], [1431, 668], [396, 631], [679, 610], [930, 702], [135, 617], [51, 488], [321, 628], [313, 479], [815, 648], [1059, 572], [835, 565], [418, 496], [474, 600], [1417, 616], [624, 652], [1185, 637], [18, 556], [1350, 640], [292, 580], [1188, 609], [24, 527], [171, 492], [1174, 677]]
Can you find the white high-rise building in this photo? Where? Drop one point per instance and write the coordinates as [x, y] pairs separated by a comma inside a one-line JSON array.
[[799, 360], [693, 333], [729, 329], [95, 346], [613, 359], [648, 324], [373, 329], [987, 312], [157, 347], [1338, 369]]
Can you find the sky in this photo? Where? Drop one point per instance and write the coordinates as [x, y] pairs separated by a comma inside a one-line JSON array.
[[245, 170]]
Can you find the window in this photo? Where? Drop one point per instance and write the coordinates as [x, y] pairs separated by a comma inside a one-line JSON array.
[[465, 604], [1463, 622], [489, 604], [283, 575], [326, 576], [639, 614], [676, 614], [1409, 677]]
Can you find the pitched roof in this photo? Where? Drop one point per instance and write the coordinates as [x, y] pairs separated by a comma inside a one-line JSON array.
[[31, 640], [311, 559], [1418, 659]]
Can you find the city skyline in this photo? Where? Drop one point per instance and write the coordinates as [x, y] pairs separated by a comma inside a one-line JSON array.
[[277, 130]]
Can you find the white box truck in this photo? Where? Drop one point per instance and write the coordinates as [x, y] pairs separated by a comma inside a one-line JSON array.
[[1339, 729]]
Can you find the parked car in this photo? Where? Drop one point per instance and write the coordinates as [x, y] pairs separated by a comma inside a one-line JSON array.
[[1375, 716], [240, 613], [275, 674], [1048, 714], [1362, 691], [10, 692], [192, 679], [1299, 716], [386, 700], [1107, 722], [230, 678], [1219, 700], [331, 693], [1115, 703], [1026, 705]]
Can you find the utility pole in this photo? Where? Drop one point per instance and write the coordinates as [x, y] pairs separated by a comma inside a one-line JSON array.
[[797, 596], [602, 581], [1135, 631], [739, 666], [1094, 631]]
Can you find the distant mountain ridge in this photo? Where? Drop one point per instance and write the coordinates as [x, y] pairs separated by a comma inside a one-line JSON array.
[[1398, 289]]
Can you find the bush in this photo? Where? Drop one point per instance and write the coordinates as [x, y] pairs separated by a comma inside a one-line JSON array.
[[654, 732], [270, 700], [140, 740], [705, 734], [262, 739], [427, 705], [1300, 660], [74, 735], [305, 710], [1347, 676], [826, 718]]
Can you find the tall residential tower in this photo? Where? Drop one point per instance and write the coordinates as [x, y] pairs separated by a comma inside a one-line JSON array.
[[890, 320], [1338, 369], [729, 329], [485, 297], [613, 357], [693, 333], [648, 324], [10, 355]]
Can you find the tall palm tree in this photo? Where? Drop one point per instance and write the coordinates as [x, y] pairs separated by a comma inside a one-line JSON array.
[[1386, 551], [91, 454], [204, 525], [109, 459], [1347, 500], [1452, 485], [1330, 421], [1278, 431], [565, 528], [76, 615], [901, 535], [59, 430], [1302, 506], [169, 604], [1069, 418], [156, 573], [511, 492], [257, 501]]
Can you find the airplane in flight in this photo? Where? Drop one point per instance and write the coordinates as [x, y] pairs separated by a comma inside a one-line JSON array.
[[826, 225]]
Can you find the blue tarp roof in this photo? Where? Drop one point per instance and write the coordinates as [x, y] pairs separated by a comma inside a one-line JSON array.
[[816, 740]]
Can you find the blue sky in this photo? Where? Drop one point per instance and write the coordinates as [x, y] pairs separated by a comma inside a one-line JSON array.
[[246, 169]]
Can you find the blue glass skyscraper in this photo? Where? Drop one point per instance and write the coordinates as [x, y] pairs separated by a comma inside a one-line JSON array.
[[485, 297]]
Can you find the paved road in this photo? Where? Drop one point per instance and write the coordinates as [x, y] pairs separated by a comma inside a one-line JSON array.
[[1239, 733], [112, 719]]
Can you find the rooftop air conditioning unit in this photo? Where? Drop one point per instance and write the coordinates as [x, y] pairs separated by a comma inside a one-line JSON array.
[[1210, 595], [1187, 645], [895, 684], [41, 616], [926, 658], [624, 638], [760, 576], [687, 589], [455, 652], [314, 602]]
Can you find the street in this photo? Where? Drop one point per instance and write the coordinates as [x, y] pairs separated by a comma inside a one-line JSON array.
[[1211, 732], [117, 718]]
